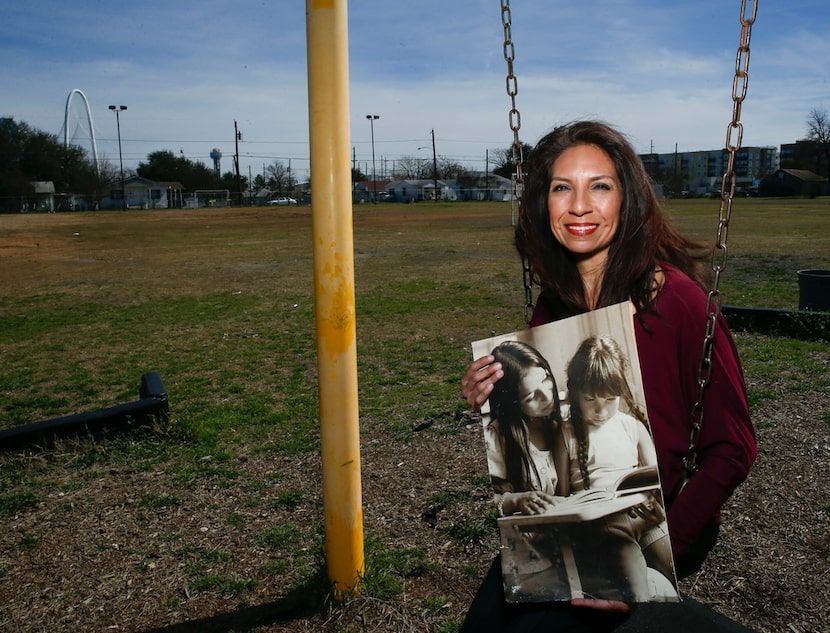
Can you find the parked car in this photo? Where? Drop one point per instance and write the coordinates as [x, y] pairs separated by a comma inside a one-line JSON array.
[[282, 201]]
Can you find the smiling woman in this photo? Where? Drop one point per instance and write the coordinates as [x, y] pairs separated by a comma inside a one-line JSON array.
[[592, 229], [584, 208]]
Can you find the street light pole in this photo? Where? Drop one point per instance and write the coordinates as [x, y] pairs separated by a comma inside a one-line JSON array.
[[372, 118], [118, 111], [434, 167]]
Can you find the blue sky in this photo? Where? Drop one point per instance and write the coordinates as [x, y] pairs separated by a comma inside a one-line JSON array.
[[661, 71]]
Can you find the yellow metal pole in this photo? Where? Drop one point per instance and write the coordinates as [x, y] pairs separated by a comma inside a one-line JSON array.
[[331, 196]]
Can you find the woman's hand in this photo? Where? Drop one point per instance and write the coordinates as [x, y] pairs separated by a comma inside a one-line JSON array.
[[602, 605], [479, 379]]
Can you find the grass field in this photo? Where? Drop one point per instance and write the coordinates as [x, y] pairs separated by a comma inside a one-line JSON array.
[[219, 510], [215, 299]]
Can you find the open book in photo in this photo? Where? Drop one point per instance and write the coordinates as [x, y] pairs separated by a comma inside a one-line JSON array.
[[629, 490]]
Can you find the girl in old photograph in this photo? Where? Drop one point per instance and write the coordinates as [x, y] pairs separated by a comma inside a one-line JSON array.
[[524, 421], [605, 437]]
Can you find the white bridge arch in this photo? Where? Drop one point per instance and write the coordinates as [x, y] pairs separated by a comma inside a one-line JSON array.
[[89, 123]]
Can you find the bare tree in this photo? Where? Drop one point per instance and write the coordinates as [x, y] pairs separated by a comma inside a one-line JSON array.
[[452, 169], [818, 130], [278, 177], [411, 167]]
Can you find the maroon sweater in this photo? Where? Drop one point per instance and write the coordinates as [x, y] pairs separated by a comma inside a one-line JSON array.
[[670, 345]]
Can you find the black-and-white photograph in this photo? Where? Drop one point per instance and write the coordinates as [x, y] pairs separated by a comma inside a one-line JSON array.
[[573, 464]]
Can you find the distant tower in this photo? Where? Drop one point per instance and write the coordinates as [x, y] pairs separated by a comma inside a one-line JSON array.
[[216, 155]]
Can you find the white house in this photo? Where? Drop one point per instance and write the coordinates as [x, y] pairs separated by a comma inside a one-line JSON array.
[[479, 187], [44, 199], [143, 193], [416, 190]]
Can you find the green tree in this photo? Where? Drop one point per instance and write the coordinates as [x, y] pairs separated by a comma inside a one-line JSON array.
[[505, 165], [28, 155], [165, 166], [358, 176], [229, 182]]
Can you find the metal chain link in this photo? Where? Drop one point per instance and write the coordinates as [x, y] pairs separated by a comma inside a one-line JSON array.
[[512, 86], [734, 136], [515, 120]]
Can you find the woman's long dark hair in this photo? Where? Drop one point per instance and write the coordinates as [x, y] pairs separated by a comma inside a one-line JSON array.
[[645, 238], [598, 367], [516, 358]]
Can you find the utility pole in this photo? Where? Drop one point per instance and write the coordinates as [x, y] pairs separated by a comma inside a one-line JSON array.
[[354, 172], [236, 135], [487, 172], [434, 167]]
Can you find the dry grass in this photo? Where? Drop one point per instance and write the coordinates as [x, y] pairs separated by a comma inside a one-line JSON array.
[[215, 523]]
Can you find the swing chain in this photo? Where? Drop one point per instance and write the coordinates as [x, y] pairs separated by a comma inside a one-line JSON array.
[[512, 90], [734, 136], [515, 119]]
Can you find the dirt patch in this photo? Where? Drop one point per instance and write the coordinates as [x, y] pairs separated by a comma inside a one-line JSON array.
[[104, 563]]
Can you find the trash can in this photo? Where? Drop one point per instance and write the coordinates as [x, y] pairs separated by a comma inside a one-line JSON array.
[[814, 289]]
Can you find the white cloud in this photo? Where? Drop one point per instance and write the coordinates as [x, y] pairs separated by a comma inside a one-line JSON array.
[[660, 71]]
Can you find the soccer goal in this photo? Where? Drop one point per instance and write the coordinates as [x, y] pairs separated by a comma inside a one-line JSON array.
[[210, 198]]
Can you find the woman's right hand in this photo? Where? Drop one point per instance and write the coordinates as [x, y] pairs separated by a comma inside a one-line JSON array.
[[479, 379], [604, 605]]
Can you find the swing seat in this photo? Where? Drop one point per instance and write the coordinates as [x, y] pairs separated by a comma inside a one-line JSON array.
[[153, 406]]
